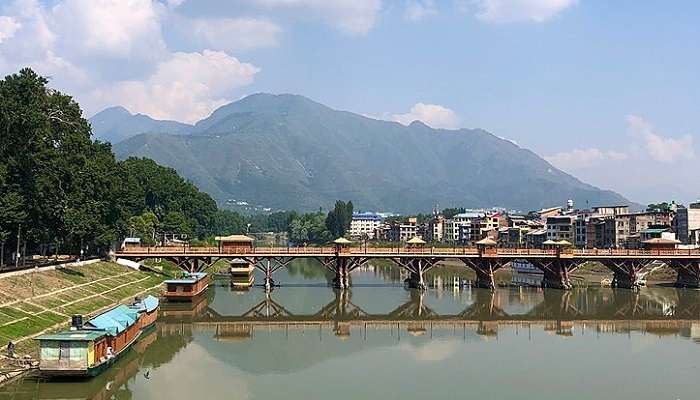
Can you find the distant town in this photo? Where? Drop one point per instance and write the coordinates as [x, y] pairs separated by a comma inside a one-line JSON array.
[[602, 227]]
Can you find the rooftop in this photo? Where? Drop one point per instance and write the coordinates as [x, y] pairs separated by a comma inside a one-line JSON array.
[[79, 335], [235, 238], [190, 277]]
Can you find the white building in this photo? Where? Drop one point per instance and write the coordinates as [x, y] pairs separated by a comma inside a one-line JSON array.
[[463, 221], [364, 225]]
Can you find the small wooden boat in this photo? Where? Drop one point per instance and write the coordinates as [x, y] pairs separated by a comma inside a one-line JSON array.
[[90, 349], [187, 287]]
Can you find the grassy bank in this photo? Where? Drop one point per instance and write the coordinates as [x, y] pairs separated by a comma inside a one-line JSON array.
[[42, 301]]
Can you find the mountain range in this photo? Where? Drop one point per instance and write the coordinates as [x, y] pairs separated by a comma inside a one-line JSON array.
[[289, 152]]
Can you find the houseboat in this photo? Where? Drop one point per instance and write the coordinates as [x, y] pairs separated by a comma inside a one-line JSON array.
[[242, 274], [89, 349], [187, 287], [148, 311]]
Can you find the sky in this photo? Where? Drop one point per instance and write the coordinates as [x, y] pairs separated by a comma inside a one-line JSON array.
[[608, 91]]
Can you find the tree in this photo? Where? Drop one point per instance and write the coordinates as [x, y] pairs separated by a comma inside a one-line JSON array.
[[339, 219], [451, 212], [309, 228]]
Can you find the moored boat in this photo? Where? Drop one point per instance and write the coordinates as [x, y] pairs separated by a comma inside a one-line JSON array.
[[187, 287], [148, 311], [89, 349]]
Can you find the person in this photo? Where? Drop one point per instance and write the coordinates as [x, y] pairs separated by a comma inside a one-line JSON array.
[[109, 352], [10, 349]]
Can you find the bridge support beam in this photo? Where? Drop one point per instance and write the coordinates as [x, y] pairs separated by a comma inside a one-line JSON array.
[[626, 272], [416, 267], [342, 275], [688, 273], [556, 272], [484, 269]]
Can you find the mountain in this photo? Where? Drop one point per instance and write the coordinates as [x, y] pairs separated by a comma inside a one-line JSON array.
[[115, 124], [288, 152]]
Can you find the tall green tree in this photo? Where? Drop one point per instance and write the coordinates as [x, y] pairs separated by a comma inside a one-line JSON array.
[[339, 218]]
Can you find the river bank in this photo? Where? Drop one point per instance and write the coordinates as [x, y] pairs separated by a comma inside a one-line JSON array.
[[40, 301]]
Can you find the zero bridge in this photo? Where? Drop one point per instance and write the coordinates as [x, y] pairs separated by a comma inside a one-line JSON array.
[[628, 266]]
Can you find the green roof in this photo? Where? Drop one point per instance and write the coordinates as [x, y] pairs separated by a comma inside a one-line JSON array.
[[73, 336]]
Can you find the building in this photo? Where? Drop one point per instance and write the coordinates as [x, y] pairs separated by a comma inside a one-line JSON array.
[[687, 220], [458, 228], [611, 210], [436, 229], [600, 232], [628, 226], [561, 228], [403, 231], [364, 225], [535, 238]]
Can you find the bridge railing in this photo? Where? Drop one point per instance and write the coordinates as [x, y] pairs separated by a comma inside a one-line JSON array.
[[438, 251]]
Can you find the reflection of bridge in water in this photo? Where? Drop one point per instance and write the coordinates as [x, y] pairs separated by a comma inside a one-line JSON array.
[[661, 310]]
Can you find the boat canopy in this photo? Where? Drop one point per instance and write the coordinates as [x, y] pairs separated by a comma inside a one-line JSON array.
[[148, 304], [115, 320]]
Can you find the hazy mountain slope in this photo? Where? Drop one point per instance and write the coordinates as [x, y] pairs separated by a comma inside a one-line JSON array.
[[115, 124], [289, 152]]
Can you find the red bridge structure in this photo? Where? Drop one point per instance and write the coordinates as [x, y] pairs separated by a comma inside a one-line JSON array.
[[556, 262]]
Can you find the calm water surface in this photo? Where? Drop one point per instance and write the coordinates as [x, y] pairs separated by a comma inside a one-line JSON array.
[[378, 340]]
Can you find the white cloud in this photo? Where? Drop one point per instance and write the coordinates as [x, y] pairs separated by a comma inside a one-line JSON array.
[[8, 27], [232, 34], [417, 10], [349, 16], [435, 350], [434, 115], [108, 28], [187, 87], [520, 10], [584, 158], [649, 160], [659, 148]]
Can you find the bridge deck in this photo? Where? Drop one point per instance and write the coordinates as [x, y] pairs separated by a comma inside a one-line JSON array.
[[390, 252]]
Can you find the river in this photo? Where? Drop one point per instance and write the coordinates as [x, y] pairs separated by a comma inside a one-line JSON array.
[[306, 340]]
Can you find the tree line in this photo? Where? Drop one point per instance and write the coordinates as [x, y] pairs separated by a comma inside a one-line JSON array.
[[60, 191]]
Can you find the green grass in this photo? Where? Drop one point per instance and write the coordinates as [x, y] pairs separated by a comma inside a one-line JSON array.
[[39, 317]]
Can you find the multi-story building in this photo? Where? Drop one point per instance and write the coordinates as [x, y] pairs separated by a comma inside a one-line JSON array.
[[462, 222], [628, 226], [535, 238], [600, 231], [687, 220], [436, 229], [403, 231], [561, 228], [610, 210], [364, 225]]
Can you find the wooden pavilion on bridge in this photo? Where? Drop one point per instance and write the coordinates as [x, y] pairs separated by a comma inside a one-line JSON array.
[[235, 243]]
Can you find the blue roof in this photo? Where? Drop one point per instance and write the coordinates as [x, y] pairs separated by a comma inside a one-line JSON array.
[[367, 215], [115, 320], [148, 304]]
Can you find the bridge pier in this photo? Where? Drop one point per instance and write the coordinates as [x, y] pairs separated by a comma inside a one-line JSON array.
[[556, 272], [415, 278], [342, 275], [484, 269], [687, 273], [626, 272]]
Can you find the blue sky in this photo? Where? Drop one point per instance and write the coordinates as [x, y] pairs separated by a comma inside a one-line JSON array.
[[606, 90]]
